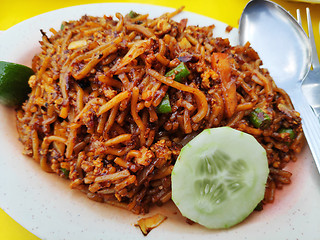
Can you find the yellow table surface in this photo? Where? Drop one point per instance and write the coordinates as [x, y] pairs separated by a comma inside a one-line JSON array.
[[228, 11]]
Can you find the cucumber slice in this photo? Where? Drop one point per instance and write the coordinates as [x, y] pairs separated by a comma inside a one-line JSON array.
[[219, 177]]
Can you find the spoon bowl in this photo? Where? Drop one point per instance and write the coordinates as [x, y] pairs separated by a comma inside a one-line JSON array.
[[280, 41], [286, 52]]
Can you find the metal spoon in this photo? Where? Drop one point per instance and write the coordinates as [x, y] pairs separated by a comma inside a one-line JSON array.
[[285, 51]]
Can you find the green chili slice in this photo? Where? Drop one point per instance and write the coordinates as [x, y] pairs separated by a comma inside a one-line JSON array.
[[164, 106], [65, 172], [260, 119], [133, 14], [181, 71], [292, 134]]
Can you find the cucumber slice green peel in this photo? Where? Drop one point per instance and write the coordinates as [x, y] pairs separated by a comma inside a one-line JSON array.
[[219, 177]]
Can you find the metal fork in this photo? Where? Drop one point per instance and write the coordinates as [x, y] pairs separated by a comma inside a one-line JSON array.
[[311, 89], [311, 84]]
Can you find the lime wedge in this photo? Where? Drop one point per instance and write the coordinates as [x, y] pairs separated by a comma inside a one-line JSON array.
[[14, 86]]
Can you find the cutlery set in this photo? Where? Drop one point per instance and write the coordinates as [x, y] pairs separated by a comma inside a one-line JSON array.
[[271, 29]]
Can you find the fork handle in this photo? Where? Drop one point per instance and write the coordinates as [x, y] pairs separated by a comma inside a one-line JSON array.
[[310, 124]]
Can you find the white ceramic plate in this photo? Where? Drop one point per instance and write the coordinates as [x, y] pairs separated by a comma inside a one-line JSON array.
[[44, 204]]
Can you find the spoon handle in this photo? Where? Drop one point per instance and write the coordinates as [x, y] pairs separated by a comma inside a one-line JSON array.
[[310, 124]]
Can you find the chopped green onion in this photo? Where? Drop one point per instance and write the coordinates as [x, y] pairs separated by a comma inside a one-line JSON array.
[[65, 172], [164, 106], [62, 26], [260, 119], [292, 134], [133, 14], [180, 72]]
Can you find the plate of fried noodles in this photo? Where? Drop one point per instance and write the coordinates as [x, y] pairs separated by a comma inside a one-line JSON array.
[[91, 151]]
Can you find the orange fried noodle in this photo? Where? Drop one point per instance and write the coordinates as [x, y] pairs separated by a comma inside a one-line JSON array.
[[92, 115]]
